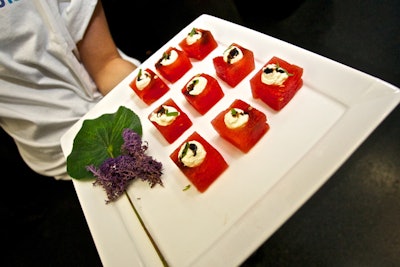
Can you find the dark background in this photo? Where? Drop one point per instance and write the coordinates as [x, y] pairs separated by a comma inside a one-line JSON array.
[[353, 220]]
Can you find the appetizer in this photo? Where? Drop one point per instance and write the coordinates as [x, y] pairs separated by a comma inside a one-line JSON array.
[[199, 161], [241, 124], [170, 120], [198, 43], [173, 64], [148, 86], [234, 65], [202, 92], [276, 82]]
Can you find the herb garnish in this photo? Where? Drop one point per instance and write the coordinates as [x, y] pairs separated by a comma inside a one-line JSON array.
[[172, 113], [191, 86], [185, 150], [234, 112], [109, 150], [165, 111], [166, 55], [188, 146], [115, 174], [139, 76], [99, 139], [192, 32]]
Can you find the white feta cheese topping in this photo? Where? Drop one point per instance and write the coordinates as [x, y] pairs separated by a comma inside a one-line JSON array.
[[143, 79], [165, 115], [235, 118], [193, 37], [274, 75], [170, 58], [197, 85], [192, 154], [233, 54]]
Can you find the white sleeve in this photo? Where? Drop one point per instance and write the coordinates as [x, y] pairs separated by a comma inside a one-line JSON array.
[[76, 15]]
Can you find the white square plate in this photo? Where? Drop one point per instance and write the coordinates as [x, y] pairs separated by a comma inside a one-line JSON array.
[[329, 117]]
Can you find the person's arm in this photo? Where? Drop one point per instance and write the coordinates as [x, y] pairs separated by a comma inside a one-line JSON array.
[[99, 54]]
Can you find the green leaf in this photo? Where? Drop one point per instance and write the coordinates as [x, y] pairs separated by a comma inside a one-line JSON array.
[[99, 139]]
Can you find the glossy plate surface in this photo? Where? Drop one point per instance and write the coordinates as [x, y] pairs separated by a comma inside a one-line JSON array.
[[331, 115]]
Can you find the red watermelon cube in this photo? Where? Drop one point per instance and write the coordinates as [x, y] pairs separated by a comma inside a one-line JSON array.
[[173, 64], [170, 120], [276, 83], [241, 124], [148, 86], [198, 43], [199, 161], [234, 65], [202, 91]]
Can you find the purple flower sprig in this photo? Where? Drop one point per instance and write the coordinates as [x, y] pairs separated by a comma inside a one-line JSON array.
[[116, 174]]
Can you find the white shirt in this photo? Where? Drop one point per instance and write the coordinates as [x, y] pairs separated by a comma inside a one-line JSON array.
[[44, 89]]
